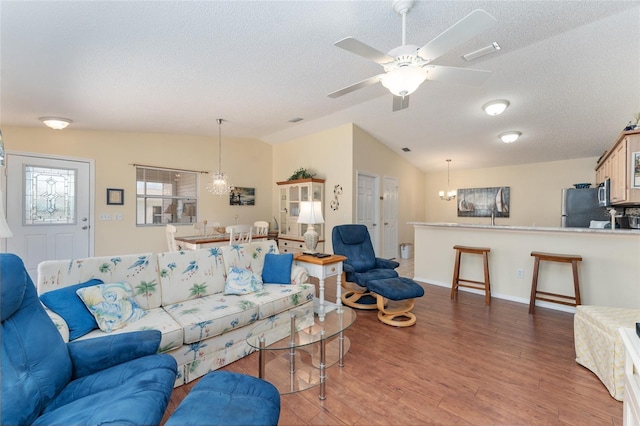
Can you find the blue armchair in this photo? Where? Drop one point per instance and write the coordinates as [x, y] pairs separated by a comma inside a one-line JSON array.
[[361, 266], [117, 379]]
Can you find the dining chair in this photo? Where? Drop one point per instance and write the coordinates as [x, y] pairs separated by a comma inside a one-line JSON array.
[[239, 234], [200, 227], [171, 238], [261, 227]]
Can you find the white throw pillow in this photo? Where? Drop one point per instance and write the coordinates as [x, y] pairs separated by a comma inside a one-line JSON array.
[[242, 281]]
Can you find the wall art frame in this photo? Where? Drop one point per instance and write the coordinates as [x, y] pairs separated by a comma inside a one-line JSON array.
[[241, 196], [115, 196], [483, 202]]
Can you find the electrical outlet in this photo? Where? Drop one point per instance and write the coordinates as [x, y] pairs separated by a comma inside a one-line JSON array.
[[520, 273]]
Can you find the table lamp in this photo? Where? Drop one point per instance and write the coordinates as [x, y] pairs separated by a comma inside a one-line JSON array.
[[310, 214]]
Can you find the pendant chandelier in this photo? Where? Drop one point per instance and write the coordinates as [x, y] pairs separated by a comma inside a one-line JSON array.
[[450, 194], [219, 184]]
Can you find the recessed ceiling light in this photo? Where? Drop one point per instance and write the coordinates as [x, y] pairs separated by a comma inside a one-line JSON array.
[[493, 47], [496, 107], [56, 123], [510, 137]]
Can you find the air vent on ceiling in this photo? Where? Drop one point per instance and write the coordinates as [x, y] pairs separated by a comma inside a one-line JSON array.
[[405, 149], [295, 120]]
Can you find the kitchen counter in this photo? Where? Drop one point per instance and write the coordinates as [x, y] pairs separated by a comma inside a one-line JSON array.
[[609, 272], [617, 231]]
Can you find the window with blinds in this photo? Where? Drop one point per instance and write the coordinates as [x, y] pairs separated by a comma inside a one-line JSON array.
[[165, 196]]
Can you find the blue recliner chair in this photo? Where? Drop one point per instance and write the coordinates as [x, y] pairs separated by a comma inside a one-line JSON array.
[[361, 266], [117, 379]]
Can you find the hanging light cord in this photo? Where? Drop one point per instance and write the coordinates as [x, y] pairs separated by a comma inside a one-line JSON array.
[[219, 120]]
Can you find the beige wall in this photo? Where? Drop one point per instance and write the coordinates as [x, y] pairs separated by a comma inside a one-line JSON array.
[[535, 190], [375, 158], [246, 161], [328, 154]]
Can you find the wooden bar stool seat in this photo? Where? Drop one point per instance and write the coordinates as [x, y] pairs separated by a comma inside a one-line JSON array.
[[536, 294], [461, 282]]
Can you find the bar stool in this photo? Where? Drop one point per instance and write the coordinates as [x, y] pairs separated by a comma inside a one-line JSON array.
[[573, 259], [461, 282]]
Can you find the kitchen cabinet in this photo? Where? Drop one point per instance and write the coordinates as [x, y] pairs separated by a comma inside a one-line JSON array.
[[619, 165], [291, 193]]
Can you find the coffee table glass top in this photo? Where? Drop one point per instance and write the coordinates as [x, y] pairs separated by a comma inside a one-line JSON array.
[[334, 322]]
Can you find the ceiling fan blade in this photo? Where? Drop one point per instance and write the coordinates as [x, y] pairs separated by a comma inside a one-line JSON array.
[[400, 103], [465, 29], [356, 86], [466, 76], [364, 50]]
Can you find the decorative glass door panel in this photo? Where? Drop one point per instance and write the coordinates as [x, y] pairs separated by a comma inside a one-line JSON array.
[[317, 192], [304, 193], [50, 196]]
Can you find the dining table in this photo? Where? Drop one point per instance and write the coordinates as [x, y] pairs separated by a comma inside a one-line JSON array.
[[195, 242]]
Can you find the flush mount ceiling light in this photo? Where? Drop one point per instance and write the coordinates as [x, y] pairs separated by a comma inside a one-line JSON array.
[[510, 137], [219, 184], [56, 123], [496, 107]]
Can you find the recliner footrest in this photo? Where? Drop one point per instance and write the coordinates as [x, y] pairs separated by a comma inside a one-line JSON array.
[[401, 291], [226, 398], [398, 288]]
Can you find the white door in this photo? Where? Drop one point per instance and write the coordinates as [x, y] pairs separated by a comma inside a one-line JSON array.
[[49, 209], [390, 217], [367, 206]]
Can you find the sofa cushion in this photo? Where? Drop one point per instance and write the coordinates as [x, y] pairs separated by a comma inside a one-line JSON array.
[[277, 268], [139, 270], [242, 281], [212, 315], [155, 319], [248, 256], [66, 303], [191, 274], [276, 298], [111, 304]]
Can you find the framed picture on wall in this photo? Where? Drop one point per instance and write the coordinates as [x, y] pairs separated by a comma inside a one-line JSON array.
[[115, 196], [242, 196]]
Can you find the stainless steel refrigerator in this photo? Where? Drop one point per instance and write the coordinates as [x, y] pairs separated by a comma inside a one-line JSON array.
[[580, 207]]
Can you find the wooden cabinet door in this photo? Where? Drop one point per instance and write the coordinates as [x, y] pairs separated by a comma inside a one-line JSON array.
[[619, 173]]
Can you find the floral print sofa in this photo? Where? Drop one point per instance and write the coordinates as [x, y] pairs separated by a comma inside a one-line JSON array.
[[183, 295]]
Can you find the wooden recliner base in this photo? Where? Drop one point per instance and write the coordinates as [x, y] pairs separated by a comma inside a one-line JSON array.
[[353, 293], [390, 311]]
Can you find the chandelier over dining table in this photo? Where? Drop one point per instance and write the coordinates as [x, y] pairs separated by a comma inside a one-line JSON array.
[[219, 184]]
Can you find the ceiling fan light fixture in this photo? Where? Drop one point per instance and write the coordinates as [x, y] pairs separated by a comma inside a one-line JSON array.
[[404, 81], [56, 123], [496, 107], [510, 137]]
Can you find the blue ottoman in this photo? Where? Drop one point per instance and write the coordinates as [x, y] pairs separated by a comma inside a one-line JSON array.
[[400, 293], [226, 398]]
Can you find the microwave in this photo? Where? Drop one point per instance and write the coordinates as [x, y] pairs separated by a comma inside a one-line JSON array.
[[604, 193]]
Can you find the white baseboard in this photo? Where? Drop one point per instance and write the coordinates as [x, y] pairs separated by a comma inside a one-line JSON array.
[[525, 301]]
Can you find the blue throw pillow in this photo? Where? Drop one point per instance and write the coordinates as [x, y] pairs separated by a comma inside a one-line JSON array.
[[277, 268], [66, 303]]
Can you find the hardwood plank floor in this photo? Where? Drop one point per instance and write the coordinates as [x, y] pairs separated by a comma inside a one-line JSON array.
[[462, 364]]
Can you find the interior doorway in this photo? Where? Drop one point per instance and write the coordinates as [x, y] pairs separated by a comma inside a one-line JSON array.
[[367, 206], [49, 208]]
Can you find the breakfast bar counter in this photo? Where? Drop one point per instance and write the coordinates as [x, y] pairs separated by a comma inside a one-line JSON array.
[[609, 272]]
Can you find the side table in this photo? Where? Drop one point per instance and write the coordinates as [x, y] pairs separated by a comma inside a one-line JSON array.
[[323, 268]]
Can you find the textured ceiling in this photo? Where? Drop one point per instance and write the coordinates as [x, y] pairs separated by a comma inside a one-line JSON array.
[[571, 70]]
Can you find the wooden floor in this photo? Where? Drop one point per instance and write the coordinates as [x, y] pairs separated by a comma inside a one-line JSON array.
[[461, 364]]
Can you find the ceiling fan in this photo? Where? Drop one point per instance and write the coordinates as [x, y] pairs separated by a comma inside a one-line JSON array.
[[407, 66]]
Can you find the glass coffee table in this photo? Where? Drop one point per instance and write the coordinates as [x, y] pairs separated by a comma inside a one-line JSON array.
[[299, 361]]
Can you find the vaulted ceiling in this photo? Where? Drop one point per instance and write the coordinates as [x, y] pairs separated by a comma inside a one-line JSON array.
[[571, 70]]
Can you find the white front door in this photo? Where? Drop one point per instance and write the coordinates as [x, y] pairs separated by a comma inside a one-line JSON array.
[[367, 206], [390, 217], [49, 208]]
